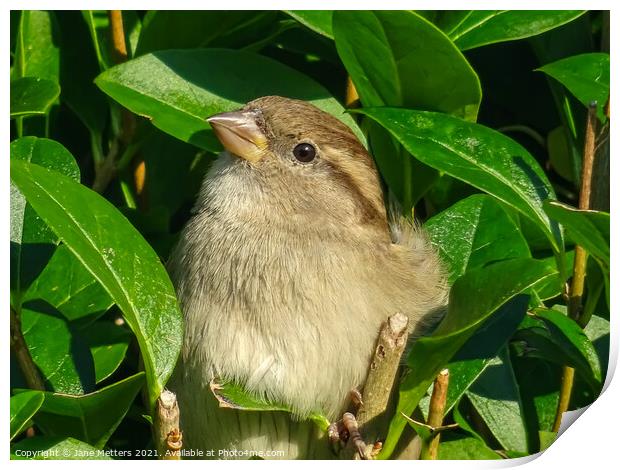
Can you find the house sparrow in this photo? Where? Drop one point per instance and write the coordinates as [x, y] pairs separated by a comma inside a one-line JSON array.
[[285, 274]]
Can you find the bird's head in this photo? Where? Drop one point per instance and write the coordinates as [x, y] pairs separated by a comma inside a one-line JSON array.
[[302, 162]]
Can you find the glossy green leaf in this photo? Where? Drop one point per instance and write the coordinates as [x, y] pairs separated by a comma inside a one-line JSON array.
[[319, 21], [480, 351], [69, 287], [495, 396], [108, 345], [574, 343], [231, 395], [491, 26], [56, 448], [397, 58], [172, 89], [590, 229], [90, 418], [473, 232], [586, 76], [32, 95], [196, 29], [118, 257], [23, 407], [553, 286], [477, 155], [59, 352], [32, 242], [465, 448], [474, 298], [37, 51]]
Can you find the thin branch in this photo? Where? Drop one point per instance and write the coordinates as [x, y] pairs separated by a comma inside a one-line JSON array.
[[168, 435], [381, 379], [22, 355], [581, 258], [383, 368], [435, 415], [119, 46], [431, 429]]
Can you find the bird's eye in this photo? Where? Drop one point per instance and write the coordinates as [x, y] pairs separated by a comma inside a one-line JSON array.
[[304, 152]]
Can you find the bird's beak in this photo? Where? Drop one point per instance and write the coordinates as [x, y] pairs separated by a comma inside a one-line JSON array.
[[239, 134]]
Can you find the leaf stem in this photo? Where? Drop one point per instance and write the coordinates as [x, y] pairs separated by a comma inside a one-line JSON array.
[[435, 415], [22, 355], [581, 257]]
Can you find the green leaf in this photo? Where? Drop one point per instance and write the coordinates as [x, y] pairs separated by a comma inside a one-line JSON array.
[[590, 229], [98, 25], [473, 232], [597, 331], [90, 418], [171, 89], [491, 26], [466, 448], [546, 438], [60, 353], [108, 345], [37, 53], [449, 20], [480, 351], [565, 333], [78, 69], [474, 298], [23, 407], [56, 448], [118, 257], [195, 29], [477, 155], [554, 286], [32, 242], [32, 95], [495, 396], [539, 385], [70, 288], [559, 150], [231, 395], [586, 76], [397, 58], [319, 21]]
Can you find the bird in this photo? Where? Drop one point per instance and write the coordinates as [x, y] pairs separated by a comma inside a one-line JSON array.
[[285, 272]]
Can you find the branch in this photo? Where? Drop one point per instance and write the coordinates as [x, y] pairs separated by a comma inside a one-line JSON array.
[[119, 47], [579, 270], [382, 377], [435, 415], [22, 355], [168, 435]]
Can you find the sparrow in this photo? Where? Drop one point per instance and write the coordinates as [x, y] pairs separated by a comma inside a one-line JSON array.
[[285, 273]]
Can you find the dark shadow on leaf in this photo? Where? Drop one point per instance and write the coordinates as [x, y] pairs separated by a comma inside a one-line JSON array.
[[79, 351]]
